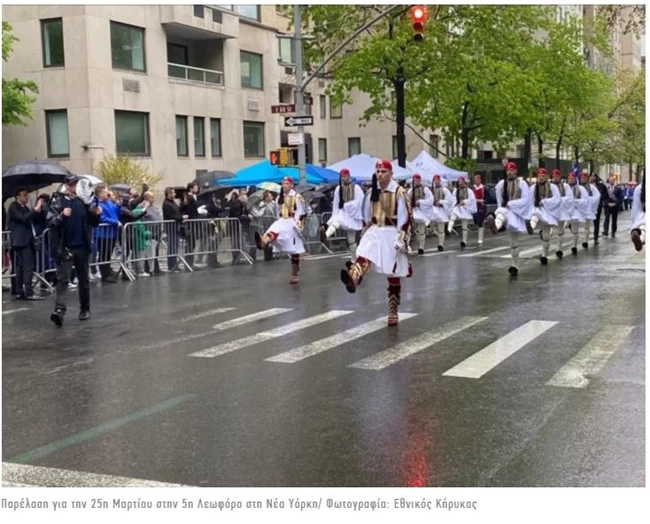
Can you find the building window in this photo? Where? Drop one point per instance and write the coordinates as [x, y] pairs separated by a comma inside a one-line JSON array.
[[354, 146], [181, 136], [132, 133], [251, 70], [177, 54], [323, 106], [52, 36], [394, 146], [434, 145], [56, 129], [127, 47], [199, 136], [198, 11], [286, 50], [322, 149], [215, 137], [253, 139], [250, 11], [336, 111]]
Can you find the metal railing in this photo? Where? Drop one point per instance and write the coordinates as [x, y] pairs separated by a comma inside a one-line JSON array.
[[194, 74]]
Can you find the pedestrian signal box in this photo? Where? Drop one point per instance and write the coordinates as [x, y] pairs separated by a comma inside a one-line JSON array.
[[285, 156]]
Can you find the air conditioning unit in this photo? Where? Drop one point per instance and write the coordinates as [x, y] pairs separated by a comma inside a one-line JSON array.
[[253, 105], [288, 70], [321, 83]]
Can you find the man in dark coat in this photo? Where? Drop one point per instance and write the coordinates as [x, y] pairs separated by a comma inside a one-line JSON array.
[[70, 221], [613, 197], [190, 208], [171, 211], [21, 225]]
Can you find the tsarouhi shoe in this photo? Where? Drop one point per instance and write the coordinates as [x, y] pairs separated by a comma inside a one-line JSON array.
[[441, 248], [543, 260], [636, 240], [463, 245], [559, 254], [585, 245], [420, 251], [490, 223], [574, 250], [513, 271]]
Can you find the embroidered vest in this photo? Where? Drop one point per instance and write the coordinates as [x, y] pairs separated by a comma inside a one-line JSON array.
[[347, 193], [461, 194], [288, 208], [418, 193], [587, 186], [577, 194], [512, 190], [542, 191], [438, 195], [561, 188], [384, 212]]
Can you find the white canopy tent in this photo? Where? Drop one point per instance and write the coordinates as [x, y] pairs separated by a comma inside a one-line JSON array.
[[427, 166], [362, 167]]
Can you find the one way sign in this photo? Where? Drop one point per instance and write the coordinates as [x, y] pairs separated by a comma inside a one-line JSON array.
[[292, 121]]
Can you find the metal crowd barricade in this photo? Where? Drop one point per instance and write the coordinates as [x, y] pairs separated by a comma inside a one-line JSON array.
[[9, 261], [256, 225], [211, 236], [105, 250], [339, 235], [311, 233]]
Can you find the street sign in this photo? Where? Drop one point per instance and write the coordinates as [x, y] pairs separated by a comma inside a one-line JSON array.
[[283, 108], [292, 121], [296, 139]]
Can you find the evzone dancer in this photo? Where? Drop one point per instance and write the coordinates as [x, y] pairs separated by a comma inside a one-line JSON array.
[[546, 210], [637, 231], [443, 203], [285, 234], [464, 209], [565, 211], [594, 199], [479, 217], [384, 244], [421, 200], [514, 209], [581, 206], [347, 211]]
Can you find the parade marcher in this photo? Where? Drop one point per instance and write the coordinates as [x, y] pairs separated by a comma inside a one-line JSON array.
[[384, 244], [481, 210], [70, 221], [594, 201], [346, 211], [464, 209], [514, 208], [565, 211], [443, 203], [637, 231], [581, 206], [546, 210], [285, 234], [421, 200]]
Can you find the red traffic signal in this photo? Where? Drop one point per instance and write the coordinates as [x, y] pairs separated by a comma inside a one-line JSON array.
[[274, 157], [418, 17]]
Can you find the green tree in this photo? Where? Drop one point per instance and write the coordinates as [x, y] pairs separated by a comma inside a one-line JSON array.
[[125, 170], [16, 98]]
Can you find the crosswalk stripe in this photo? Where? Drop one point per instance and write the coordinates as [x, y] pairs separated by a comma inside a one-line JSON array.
[[480, 363], [250, 318], [526, 252], [208, 313], [319, 346], [10, 311], [591, 358], [440, 253], [228, 347], [412, 346], [484, 252]]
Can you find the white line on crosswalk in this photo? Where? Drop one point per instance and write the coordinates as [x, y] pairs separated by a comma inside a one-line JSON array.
[[526, 252], [249, 318], [591, 358], [23, 475], [440, 253], [228, 347], [410, 347], [484, 252], [9, 312], [208, 313], [319, 346], [480, 363]]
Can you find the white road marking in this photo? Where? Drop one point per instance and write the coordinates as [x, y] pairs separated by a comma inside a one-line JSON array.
[[22, 475], [249, 318], [440, 253], [480, 363], [526, 252], [9, 312], [484, 252], [591, 358], [208, 313], [412, 346], [323, 257], [228, 347], [319, 346]]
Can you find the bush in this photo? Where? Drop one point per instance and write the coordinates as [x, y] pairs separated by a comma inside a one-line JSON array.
[[126, 170]]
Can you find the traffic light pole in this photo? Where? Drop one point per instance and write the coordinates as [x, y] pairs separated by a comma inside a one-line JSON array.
[[300, 99]]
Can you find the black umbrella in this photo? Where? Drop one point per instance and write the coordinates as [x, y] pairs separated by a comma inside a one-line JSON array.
[[303, 188], [312, 195], [121, 188], [32, 176], [219, 191]]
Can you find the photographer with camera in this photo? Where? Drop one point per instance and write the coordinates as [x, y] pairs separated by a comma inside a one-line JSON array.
[[71, 219]]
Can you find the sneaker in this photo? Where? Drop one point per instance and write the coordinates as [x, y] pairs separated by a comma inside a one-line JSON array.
[[94, 276], [72, 285], [34, 297]]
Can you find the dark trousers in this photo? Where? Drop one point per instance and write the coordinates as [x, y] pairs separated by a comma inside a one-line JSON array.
[[24, 257], [626, 203], [611, 212], [105, 248], [597, 223], [78, 258], [190, 244], [172, 247]]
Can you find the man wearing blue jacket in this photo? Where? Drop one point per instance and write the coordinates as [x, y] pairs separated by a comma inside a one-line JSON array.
[[106, 234]]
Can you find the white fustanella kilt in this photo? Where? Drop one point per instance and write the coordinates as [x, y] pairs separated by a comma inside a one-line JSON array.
[[639, 221], [545, 218], [420, 217], [289, 240], [378, 245], [513, 222], [462, 213], [342, 219]]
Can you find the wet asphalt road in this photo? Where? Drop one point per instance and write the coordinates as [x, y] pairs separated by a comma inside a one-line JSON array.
[[559, 401]]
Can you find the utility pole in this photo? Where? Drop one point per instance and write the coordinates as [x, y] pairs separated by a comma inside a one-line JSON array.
[[300, 100]]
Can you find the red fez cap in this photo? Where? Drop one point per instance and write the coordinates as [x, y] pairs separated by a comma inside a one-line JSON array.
[[384, 164], [541, 171], [462, 178], [436, 177], [571, 173], [345, 172], [417, 177], [511, 165], [556, 172], [288, 178]]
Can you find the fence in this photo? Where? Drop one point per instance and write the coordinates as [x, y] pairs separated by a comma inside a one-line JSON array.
[[10, 263]]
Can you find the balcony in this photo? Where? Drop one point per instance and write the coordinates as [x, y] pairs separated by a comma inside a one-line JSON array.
[[195, 74], [199, 22]]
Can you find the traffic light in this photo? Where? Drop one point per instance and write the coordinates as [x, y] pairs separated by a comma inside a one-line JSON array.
[[418, 17], [274, 157], [285, 156]]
